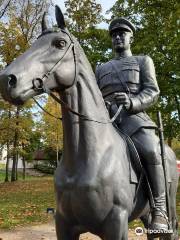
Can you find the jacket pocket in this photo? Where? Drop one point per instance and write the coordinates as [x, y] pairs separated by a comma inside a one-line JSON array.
[[131, 74]]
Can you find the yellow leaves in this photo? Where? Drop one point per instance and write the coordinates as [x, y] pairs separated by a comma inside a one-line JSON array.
[[13, 42], [53, 127], [83, 13], [11, 122]]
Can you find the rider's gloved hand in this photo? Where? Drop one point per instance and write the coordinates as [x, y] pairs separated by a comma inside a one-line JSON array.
[[122, 98]]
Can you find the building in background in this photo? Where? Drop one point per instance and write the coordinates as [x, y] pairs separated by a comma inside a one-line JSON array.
[[3, 160]]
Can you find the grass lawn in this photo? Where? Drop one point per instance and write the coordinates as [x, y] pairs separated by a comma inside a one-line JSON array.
[[2, 175], [25, 202], [20, 176]]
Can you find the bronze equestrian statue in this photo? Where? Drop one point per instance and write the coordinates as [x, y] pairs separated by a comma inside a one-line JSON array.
[[95, 190], [131, 81]]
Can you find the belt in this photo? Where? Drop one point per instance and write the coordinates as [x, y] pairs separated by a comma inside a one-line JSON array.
[[110, 89]]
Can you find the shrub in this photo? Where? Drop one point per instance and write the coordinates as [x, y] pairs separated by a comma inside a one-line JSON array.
[[44, 168]]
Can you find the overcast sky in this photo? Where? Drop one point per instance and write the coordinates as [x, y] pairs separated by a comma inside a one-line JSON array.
[[106, 5]]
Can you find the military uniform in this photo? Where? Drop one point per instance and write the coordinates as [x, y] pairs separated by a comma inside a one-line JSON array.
[[135, 76]]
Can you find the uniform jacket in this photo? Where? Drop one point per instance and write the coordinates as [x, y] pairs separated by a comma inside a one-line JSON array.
[[134, 75]]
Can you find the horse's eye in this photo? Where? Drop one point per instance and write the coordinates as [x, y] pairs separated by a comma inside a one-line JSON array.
[[59, 43]]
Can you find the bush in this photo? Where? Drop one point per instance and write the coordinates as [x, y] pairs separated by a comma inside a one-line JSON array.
[[44, 168]]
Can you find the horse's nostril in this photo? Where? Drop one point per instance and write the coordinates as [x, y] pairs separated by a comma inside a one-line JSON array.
[[12, 81]]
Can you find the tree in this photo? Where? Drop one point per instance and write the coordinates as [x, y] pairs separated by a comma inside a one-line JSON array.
[[157, 36], [83, 14], [83, 17], [52, 127], [23, 25], [17, 31], [3, 7], [12, 42], [97, 45], [5, 133], [28, 15], [16, 125]]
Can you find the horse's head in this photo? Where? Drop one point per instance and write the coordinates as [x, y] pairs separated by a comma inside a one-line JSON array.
[[48, 63]]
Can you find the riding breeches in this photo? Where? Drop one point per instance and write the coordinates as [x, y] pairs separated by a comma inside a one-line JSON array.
[[148, 147]]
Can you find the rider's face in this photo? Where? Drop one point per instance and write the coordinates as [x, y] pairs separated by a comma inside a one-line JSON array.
[[121, 40]]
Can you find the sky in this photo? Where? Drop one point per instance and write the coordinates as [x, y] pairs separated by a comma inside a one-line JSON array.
[[106, 5]]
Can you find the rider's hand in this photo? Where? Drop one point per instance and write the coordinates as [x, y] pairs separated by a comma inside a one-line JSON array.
[[122, 98]]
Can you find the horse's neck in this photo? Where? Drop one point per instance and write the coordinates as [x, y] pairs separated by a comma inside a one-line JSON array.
[[82, 138]]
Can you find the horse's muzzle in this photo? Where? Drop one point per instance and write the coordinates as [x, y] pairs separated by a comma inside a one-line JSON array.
[[8, 85]]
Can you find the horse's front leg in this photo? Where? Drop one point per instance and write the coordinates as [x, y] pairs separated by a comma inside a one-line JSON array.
[[63, 229], [116, 225]]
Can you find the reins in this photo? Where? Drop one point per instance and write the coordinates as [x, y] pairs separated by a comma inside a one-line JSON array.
[[39, 86], [82, 116], [50, 114]]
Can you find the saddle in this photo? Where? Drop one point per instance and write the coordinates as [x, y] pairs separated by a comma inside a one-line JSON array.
[[135, 166]]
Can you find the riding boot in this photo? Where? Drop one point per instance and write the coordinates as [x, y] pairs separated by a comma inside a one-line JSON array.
[[157, 182]]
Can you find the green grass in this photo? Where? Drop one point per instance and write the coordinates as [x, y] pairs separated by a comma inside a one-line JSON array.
[[2, 166], [2, 176], [25, 202], [20, 176]]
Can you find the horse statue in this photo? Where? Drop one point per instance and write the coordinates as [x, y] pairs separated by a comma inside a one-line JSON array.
[[92, 181]]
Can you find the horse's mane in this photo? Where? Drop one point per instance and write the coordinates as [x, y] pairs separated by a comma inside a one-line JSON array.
[[83, 61], [86, 77]]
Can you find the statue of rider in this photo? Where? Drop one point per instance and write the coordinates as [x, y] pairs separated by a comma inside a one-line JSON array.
[[130, 81]]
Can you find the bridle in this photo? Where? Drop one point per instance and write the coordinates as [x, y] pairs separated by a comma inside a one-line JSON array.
[[39, 86], [38, 83]]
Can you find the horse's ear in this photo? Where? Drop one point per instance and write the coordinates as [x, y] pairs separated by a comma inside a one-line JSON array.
[[59, 18], [44, 22]]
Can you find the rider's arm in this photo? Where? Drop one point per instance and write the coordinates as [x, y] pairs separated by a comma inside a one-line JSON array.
[[149, 92]]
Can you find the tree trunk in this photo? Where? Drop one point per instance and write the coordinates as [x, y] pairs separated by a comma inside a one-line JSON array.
[[8, 151], [24, 163], [13, 173], [15, 149], [24, 167], [16, 172], [5, 8], [7, 164]]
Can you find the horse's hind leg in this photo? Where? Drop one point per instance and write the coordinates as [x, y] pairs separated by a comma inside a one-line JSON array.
[[63, 230], [116, 225], [146, 219]]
